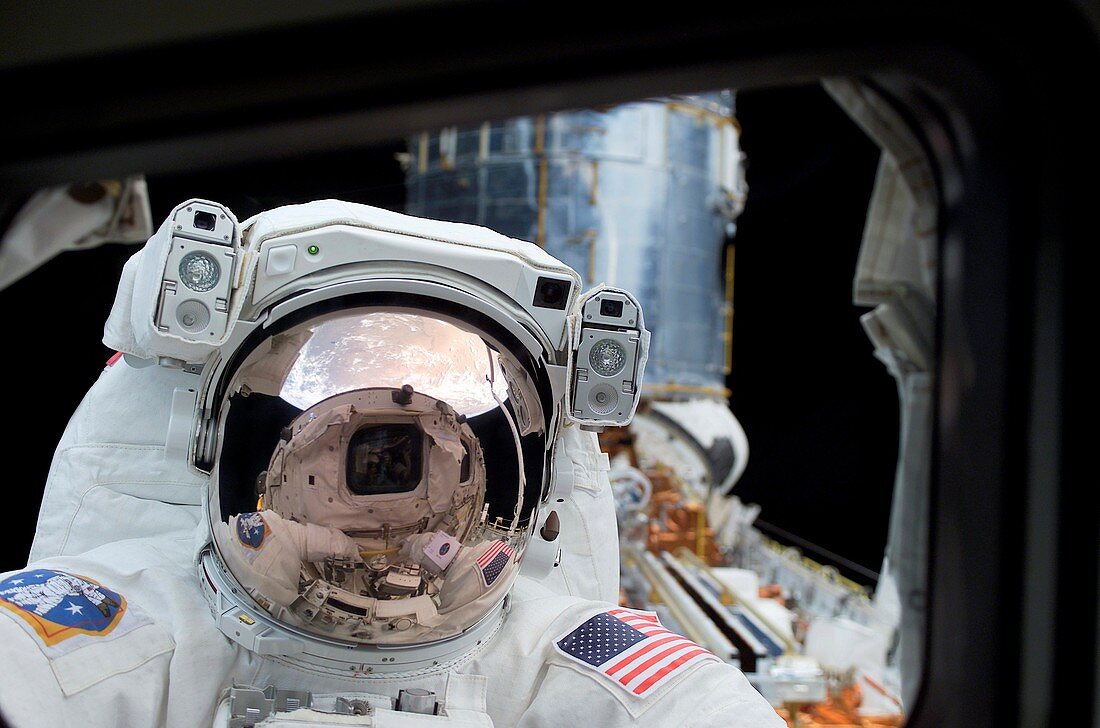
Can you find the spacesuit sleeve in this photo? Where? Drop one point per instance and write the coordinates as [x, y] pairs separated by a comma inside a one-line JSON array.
[[29, 695], [414, 550], [720, 695], [713, 695], [317, 543], [266, 551], [621, 666], [267, 531], [589, 533], [262, 554], [121, 681]]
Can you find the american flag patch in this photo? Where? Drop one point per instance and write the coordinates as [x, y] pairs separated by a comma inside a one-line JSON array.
[[491, 563], [631, 648]]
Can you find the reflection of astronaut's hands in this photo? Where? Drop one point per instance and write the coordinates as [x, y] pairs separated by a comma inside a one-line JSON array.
[[321, 542], [266, 551], [413, 550], [306, 541]]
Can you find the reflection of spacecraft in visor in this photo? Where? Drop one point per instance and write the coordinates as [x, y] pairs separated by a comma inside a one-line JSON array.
[[400, 490]]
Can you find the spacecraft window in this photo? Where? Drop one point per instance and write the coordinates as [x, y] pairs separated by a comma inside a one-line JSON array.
[[385, 459]]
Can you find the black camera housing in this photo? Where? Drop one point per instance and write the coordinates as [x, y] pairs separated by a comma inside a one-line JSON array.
[[205, 220], [611, 308], [551, 293]]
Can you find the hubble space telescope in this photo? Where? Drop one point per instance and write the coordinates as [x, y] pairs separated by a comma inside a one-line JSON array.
[[647, 195]]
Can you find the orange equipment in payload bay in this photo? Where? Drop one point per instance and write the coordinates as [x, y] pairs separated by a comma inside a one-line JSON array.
[[675, 521], [841, 708]]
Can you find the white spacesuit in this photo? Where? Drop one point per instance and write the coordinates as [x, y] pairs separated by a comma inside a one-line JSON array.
[[307, 492]]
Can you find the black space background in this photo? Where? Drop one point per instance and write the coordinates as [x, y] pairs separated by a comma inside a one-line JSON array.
[[819, 410]]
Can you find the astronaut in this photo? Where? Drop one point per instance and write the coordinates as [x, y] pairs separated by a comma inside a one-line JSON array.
[[339, 477]]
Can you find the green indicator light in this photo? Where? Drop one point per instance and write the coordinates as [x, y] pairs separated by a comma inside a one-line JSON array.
[[313, 250]]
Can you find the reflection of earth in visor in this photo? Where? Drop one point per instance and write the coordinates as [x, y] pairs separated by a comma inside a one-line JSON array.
[[385, 459], [381, 349]]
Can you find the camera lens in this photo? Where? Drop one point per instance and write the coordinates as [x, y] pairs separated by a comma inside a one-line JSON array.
[[611, 309], [205, 220], [551, 293]]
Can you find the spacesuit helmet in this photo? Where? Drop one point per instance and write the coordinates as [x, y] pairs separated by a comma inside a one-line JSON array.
[[377, 407], [355, 437]]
